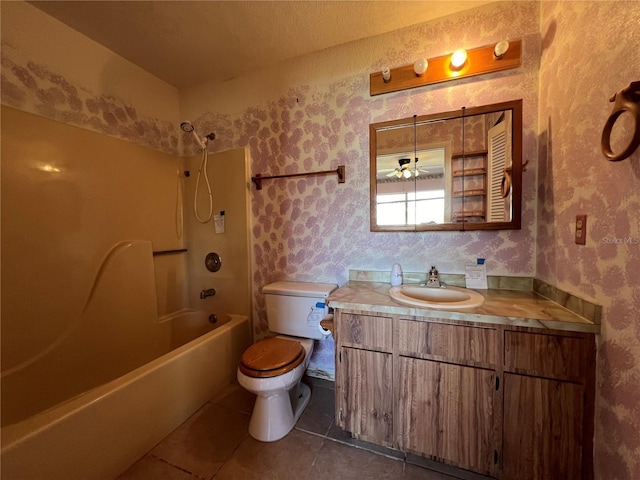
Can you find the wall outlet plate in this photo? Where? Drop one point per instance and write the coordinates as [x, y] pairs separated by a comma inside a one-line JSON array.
[[581, 229]]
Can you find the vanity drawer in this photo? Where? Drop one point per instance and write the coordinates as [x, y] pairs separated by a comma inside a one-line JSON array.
[[545, 355], [365, 331], [449, 343]]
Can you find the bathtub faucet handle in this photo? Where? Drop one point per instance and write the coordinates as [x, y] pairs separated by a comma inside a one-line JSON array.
[[207, 293]]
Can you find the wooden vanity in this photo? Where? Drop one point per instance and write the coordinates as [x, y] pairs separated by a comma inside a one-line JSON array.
[[502, 395]]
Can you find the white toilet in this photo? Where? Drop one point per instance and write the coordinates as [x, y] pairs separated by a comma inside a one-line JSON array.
[[272, 368]]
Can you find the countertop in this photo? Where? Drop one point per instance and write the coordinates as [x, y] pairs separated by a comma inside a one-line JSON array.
[[503, 307]]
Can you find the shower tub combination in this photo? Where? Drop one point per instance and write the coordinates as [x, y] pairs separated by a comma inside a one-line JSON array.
[[98, 433]]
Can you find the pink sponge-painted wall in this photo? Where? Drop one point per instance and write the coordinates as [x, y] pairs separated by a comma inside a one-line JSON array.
[[590, 51]]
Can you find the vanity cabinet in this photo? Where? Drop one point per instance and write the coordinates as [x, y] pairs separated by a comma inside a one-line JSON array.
[[508, 402]]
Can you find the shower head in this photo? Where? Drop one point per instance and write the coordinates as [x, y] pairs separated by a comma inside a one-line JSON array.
[[187, 127]]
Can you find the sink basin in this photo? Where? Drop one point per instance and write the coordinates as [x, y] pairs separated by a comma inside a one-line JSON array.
[[451, 298]]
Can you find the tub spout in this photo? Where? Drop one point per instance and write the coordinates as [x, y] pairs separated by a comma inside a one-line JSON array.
[[207, 293]]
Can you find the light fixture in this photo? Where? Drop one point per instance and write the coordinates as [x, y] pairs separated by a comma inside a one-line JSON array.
[[401, 169], [458, 58], [420, 66], [386, 74], [500, 49], [447, 67]]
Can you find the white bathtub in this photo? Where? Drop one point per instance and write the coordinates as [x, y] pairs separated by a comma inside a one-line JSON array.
[[102, 432]]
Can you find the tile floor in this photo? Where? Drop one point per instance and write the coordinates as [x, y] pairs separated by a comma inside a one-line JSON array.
[[214, 443]]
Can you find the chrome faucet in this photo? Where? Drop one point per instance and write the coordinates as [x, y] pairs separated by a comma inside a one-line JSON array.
[[433, 280], [207, 293]]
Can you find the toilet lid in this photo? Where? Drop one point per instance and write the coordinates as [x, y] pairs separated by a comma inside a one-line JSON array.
[[271, 357]]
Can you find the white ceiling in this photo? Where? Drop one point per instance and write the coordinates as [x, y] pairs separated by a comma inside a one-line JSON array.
[[188, 43]]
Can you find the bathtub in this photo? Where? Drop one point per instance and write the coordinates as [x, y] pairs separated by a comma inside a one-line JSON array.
[[100, 433]]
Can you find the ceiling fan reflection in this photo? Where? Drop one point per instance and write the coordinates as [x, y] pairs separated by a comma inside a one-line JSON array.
[[403, 169]]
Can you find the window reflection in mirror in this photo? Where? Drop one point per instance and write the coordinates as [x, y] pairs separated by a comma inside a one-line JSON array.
[[448, 171], [413, 192]]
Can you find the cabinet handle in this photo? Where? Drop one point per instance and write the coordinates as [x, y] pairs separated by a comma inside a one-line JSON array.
[[340, 356], [495, 457], [497, 382]]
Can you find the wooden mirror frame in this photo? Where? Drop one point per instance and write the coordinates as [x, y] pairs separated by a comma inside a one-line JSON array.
[[515, 172]]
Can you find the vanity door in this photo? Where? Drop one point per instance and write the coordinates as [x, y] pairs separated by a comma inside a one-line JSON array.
[[364, 376], [366, 404], [542, 428], [449, 393], [446, 413], [548, 405]]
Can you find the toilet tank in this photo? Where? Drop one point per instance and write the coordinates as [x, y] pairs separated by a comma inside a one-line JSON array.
[[293, 307]]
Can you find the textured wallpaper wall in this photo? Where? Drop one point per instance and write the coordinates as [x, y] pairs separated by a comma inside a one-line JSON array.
[[589, 52]]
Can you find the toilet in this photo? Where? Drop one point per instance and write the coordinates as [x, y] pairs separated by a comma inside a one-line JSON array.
[[272, 368]]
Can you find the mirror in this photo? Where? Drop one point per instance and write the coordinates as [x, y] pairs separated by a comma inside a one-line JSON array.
[[459, 170]]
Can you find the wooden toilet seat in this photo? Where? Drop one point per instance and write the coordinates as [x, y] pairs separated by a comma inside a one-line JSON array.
[[271, 357]]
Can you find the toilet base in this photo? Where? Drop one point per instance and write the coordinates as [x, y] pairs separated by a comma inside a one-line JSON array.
[[274, 416]]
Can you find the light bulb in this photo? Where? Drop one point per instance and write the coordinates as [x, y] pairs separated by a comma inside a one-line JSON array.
[[50, 169], [458, 58], [386, 74], [500, 49], [420, 66], [407, 174]]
